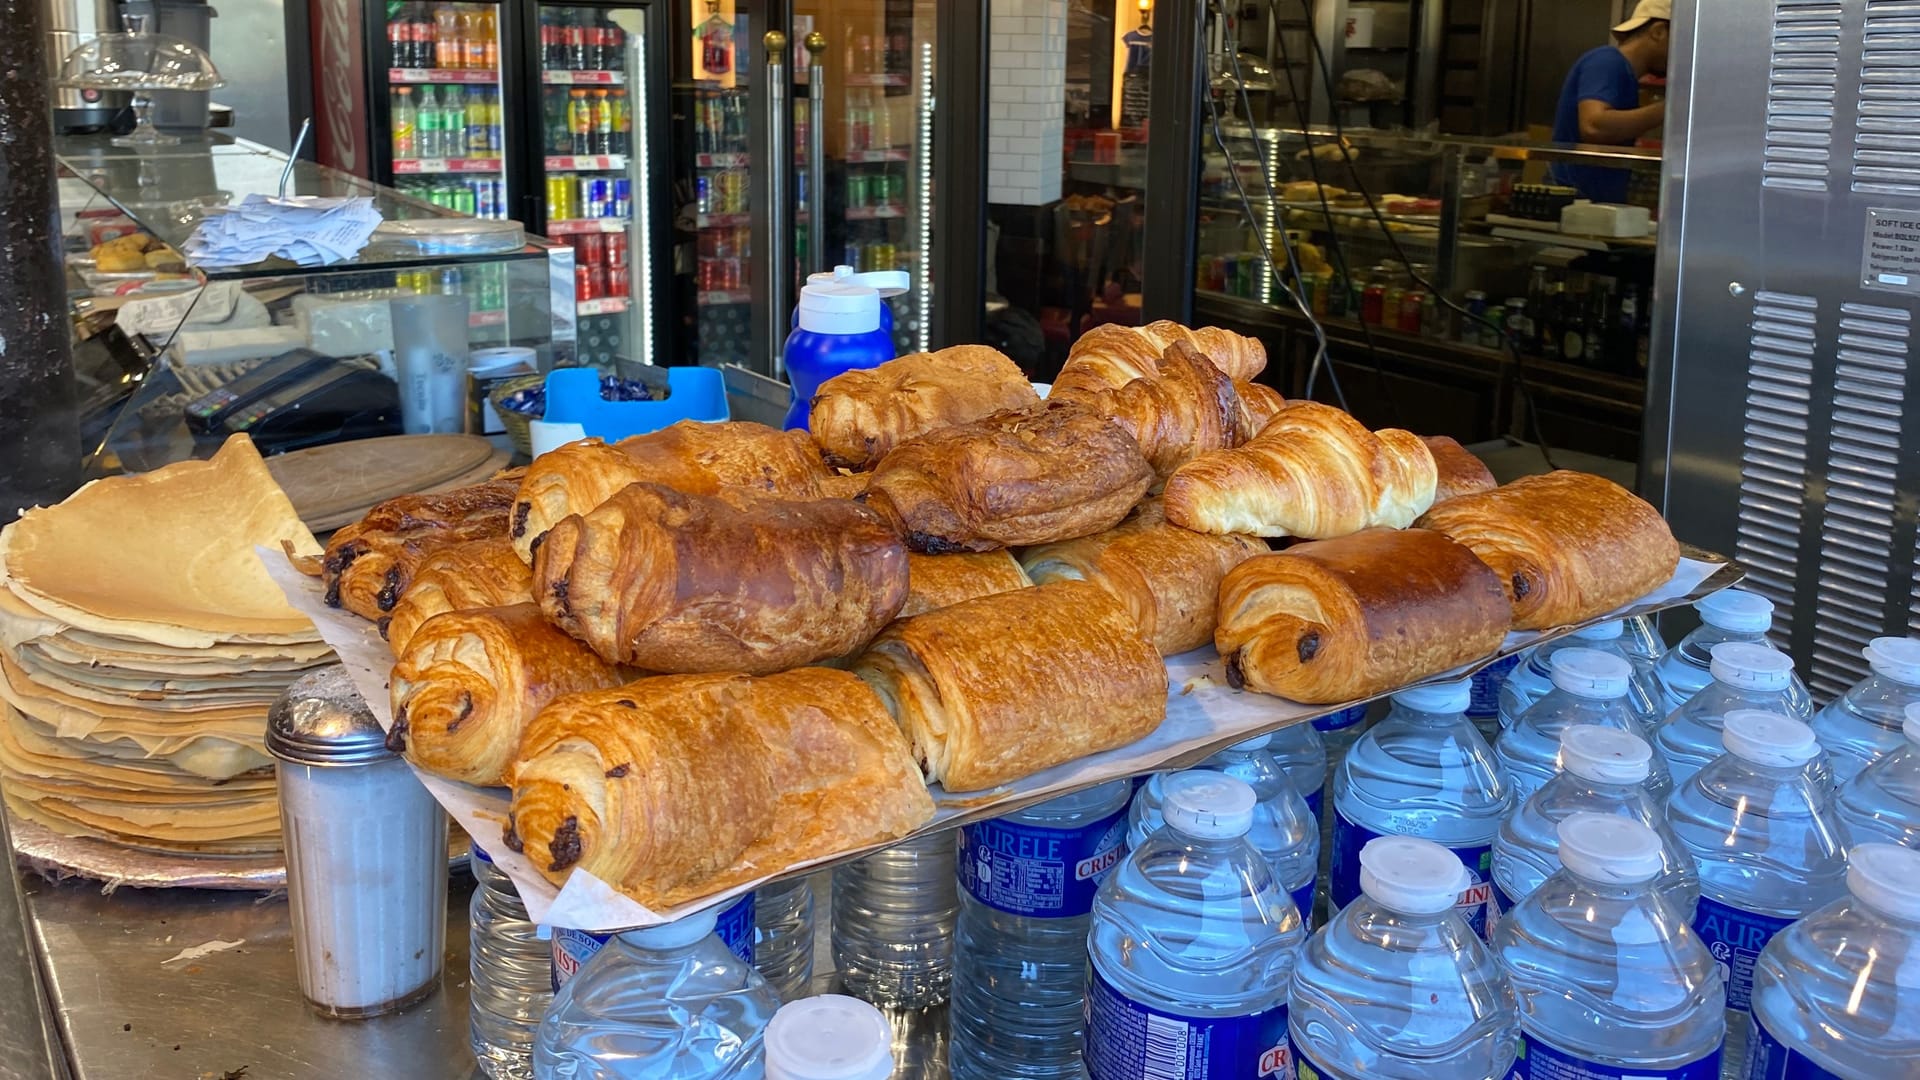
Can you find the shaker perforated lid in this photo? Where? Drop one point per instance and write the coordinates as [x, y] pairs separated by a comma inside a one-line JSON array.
[[1590, 673], [1896, 658], [1753, 667], [830, 1037], [1605, 631], [1609, 850], [322, 720], [1410, 875], [1605, 755], [1208, 805], [1766, 739], [1440, 697], [1737, 610], [1885, 877]]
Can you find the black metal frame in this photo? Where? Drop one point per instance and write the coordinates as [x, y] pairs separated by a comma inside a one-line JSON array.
[[959, 262], [1173, 168], [750, 54]]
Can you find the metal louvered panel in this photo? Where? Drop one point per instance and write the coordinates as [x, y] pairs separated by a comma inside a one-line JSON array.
[[1886, 141], [1773, 460], [1800, 94]]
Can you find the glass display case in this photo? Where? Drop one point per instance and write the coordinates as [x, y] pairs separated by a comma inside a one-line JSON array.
[[407, 336]]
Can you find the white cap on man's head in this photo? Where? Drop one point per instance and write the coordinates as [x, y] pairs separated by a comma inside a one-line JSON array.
[[1645, 12]]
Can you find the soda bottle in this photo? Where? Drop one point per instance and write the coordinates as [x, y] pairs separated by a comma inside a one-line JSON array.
[[473, 42], [479, 121], [880, 121], [489, 26], [1882, 803], [893, 915], [1532, 679], [399, 43], [1745, 676], [406, 134], [783, 936], [1192, 941], [1027, 883], [1283, 830], [1397, 985], [453, 123], [1863, 724], [448, 50], [1589, 687], [576, 35], [427, 123], [596, 43], [580, 122], [614, 44], [830, 1037], [509, 987], [496, 129], [1603, 771], [1728, 615], [1833, 994], [622, 123], [1422, 771], [601, 139], [1609, 979], [553, 47], [1768, 846]]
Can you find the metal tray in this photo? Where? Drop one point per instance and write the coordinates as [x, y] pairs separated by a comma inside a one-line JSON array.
[[58, 858]]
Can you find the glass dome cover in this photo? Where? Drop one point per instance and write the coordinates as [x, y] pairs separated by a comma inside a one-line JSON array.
[[143, 63]]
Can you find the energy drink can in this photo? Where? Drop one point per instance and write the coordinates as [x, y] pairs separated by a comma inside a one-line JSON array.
[[599, 198], [703, 193], [622, 198]]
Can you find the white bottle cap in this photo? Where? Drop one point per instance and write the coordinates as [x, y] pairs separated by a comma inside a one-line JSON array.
[[1737, 610], [1258, 742], [1208, 805], [1410, 875], [885, 282], [1885, 877], [1590, 673], [1606, 631], [1896, 658], [1605, 755], [1609, 850], [1911, 727], [1766, 739], [839, 308], [1440, 697], [1751, 667], [679, 933], [830, 1037]]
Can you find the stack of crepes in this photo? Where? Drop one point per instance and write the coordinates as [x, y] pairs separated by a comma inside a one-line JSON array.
[[143, 644]]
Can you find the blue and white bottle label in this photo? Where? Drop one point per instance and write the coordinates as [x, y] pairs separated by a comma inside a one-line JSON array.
[[571, 949], [1735, 938], [736, 928], [1338, 721], [1484, 700], [1316, 801], [1303, 900], [1344, 886], [1769, 1059], [1129, 1041], [1538, 1061], [1037, 872]]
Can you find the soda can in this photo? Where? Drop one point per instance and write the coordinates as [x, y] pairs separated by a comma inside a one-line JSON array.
[[856, 190], [599, 198], [851, 256], [703, 193], [617, 280], [881, 255], [800, 187], [483, 203], [622, 198], [499, 198], [896, 189], [584, 187], [599, 275], [583, 284], [450, 281], [593, 249], [464, 201], [616, 249], [559, 198], [709, 275]]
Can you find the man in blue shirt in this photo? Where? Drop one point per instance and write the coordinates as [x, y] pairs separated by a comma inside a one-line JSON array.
[[1600, 102]]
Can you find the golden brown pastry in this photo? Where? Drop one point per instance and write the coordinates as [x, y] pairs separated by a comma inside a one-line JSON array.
[[1111, 356], [369, 564], [1053, 472], [1337, 620], [1184, 408], [1458, 470], [678, 787], [469, 682], [938, 581], [674, 582], [858, 416], [1312, 472], [968, 685], [1168, 577], [691, 456], [844, 485], [476, 574], [1259, 404], [1567, 546]]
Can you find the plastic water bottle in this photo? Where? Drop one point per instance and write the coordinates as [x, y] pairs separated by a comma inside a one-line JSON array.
[[1283, 830], [783, 935], [1027, 882], [1610, 981], [1489, 683], [1769, 849], [1302, 754], [1728, 615], [830, 1037], [1398, 986], [509, 990], [1745, 676], [1191, 947], [892, 926], [1863, 724], [1602, 771], [1642, 641], [665, 1003], [1835, 994], [1882, 804], [838, 328], [1531, 681], [1589, 687], [571, 949]]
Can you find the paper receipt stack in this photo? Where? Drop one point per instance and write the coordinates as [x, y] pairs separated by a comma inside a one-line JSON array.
[[141, 644]]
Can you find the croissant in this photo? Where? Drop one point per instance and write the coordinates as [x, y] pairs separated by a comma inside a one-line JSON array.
[[858, 416], [469, 682], [674, 582], [678, 787], [1338, 620], [1053, 472], [844, 486], [1459, 471], [937, 581], [691, 456], [1184, 408], [476, 574], [1111, 356], [1312, 472], [1259, 404], [1568, 546], [1167, 577], [963, 683], [368, 565]]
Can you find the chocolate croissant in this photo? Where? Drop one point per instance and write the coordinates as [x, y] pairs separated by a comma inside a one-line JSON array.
[[369, 565], [937, 581], [1567, 546], [1338, 620], [675, 582], [857, 416], [469, 682], [1183, 409], [476, 574], [1110, 356], [680, 786], [1457, 470]]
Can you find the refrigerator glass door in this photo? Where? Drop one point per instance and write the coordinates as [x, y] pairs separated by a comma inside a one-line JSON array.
[[713, 81]]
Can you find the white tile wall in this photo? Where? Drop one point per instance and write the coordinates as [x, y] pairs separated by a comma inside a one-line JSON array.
[[1026, 102]]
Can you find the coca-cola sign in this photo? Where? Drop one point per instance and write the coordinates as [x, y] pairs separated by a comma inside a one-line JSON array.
[[341, 135]]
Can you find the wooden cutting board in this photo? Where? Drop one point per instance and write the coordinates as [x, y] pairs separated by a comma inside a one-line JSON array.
[[337, 484]]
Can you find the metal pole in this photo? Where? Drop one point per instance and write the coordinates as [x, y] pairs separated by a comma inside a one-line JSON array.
[[40, 440], [817, 152], [779, 208]]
